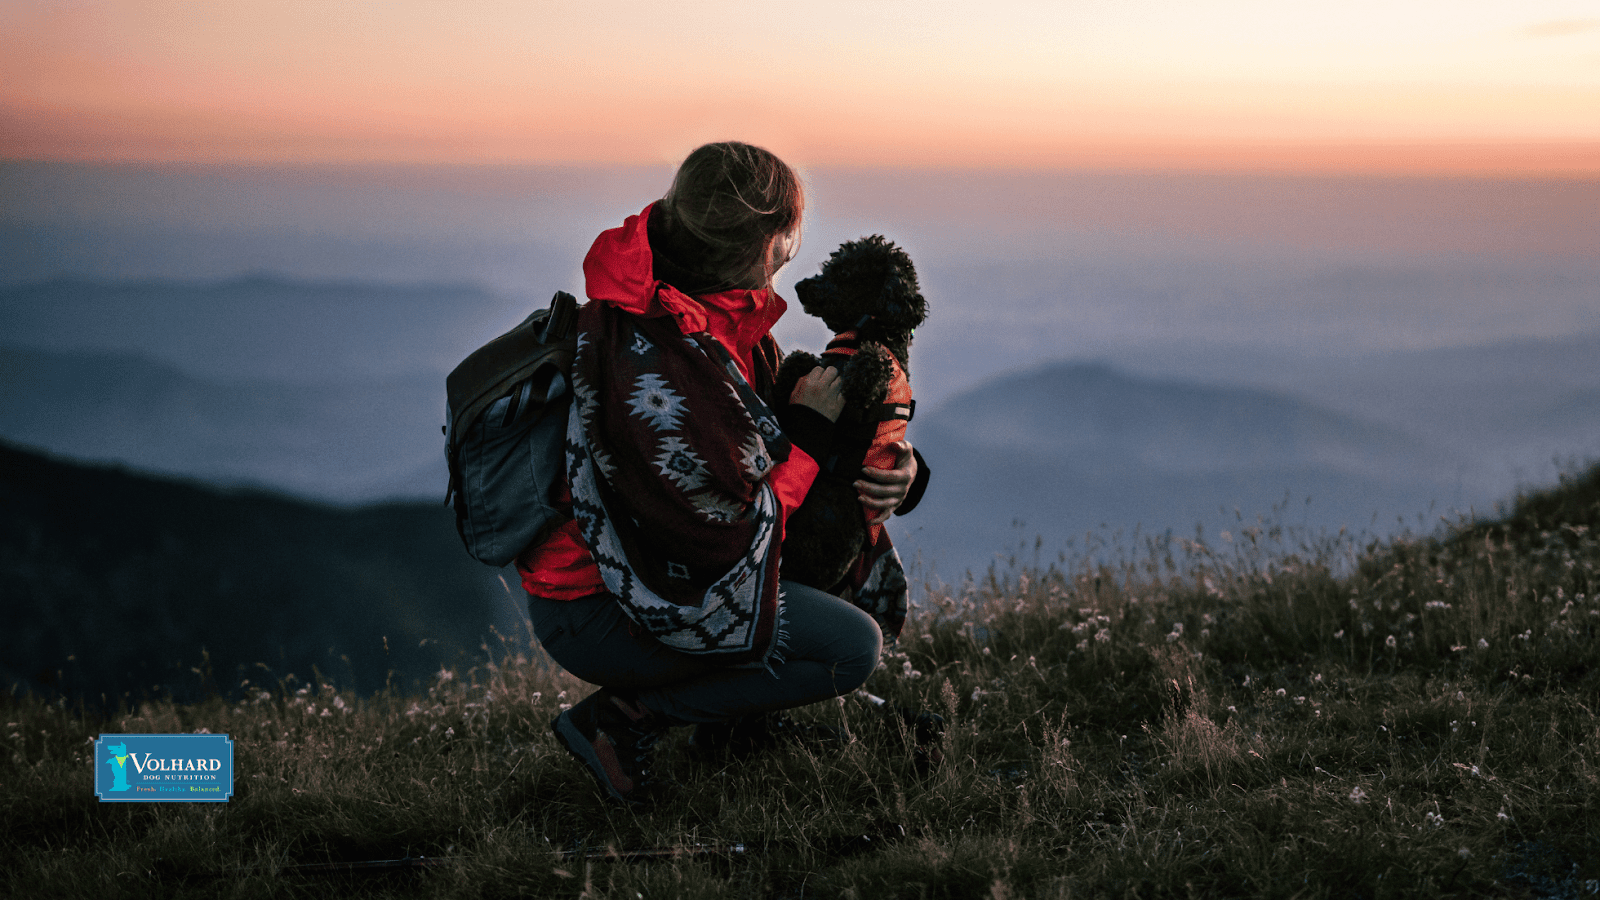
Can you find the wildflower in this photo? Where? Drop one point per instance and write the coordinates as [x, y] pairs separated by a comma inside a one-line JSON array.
[[445, 675], [1282, 692], [1083, 645], [1103, 636], [1464, 853], [1389, 642], [1338, 634], [1436, 604], [1483, 643], [1433, 820], [1358, 795]]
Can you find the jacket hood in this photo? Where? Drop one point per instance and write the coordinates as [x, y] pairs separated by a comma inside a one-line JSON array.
[[620, 270]]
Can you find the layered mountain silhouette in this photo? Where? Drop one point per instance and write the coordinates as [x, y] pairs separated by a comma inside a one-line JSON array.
[[347, 442], [1047, 455], [334, 392], [261, 328]]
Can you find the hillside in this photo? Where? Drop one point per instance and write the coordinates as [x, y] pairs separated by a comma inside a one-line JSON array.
[[112, 582], [1270, 719]]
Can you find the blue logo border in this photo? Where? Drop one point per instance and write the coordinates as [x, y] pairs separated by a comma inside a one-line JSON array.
[[177, 768]]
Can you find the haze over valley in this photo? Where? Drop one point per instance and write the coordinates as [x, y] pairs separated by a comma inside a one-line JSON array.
[[1109, 350]]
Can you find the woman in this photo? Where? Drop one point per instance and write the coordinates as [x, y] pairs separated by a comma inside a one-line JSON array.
[[664, 587]]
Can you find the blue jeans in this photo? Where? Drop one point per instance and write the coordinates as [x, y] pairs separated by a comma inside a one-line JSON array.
[[830, 650]]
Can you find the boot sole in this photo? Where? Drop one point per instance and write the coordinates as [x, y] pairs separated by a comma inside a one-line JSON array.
[[582, 749]]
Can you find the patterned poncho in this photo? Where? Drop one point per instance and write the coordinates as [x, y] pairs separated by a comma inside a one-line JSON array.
[[668, 450]]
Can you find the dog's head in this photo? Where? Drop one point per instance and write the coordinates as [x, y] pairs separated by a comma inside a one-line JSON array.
[[868, 285]]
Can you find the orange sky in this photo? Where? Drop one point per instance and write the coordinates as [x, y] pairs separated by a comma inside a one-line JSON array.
[[1446, 86]]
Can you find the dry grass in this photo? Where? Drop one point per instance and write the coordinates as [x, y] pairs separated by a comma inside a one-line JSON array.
[[1260, 715]]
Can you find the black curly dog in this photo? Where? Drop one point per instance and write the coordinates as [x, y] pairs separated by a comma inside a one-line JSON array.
[[867, 295]]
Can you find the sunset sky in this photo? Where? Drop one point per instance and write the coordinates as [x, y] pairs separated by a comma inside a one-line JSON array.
[[1489, 86]]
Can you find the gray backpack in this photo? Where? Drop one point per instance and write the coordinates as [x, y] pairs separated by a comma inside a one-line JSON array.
[[506, 408]]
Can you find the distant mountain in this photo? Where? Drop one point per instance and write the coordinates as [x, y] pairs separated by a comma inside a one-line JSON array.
[[342, 441], [112, 582], [1055, 452], [1093, 412], [263, 327], [1509, 407]]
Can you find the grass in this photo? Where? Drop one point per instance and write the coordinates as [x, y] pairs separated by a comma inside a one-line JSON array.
[[1263, 714]]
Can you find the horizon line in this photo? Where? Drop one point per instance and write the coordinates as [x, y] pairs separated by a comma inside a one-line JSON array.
[[1477, 160]]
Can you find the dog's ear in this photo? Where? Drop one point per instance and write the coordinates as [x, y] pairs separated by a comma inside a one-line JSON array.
[[866, 376], [901, 306]]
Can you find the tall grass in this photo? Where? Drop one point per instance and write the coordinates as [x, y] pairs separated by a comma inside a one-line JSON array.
[[1259, 714]]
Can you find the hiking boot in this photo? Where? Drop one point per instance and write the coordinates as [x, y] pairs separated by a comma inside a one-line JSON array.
[[612, 736]]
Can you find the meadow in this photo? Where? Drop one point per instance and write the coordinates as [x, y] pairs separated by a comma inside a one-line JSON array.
[[1252, 713]]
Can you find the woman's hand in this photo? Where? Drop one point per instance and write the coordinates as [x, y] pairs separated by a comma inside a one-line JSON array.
[[883, 490], [822, 390]]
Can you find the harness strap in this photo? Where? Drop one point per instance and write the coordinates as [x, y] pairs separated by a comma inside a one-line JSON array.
[[888, 412], [844, 340]]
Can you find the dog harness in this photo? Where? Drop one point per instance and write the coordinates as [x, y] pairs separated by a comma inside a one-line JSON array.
[[866, 438]]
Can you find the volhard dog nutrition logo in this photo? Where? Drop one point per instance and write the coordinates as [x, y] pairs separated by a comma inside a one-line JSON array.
[[163, 768]]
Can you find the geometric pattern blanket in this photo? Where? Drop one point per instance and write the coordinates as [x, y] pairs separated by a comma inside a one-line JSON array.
[[668, 452]]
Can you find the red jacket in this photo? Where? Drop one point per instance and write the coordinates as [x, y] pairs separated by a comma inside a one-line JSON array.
[[620, 270]]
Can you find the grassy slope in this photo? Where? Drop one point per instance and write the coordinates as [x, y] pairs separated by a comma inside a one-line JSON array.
[[1231, 720]]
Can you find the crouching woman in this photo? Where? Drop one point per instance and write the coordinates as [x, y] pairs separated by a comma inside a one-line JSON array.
[[664, 588]]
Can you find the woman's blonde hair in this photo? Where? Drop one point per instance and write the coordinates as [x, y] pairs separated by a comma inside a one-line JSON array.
[[738, 207]]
